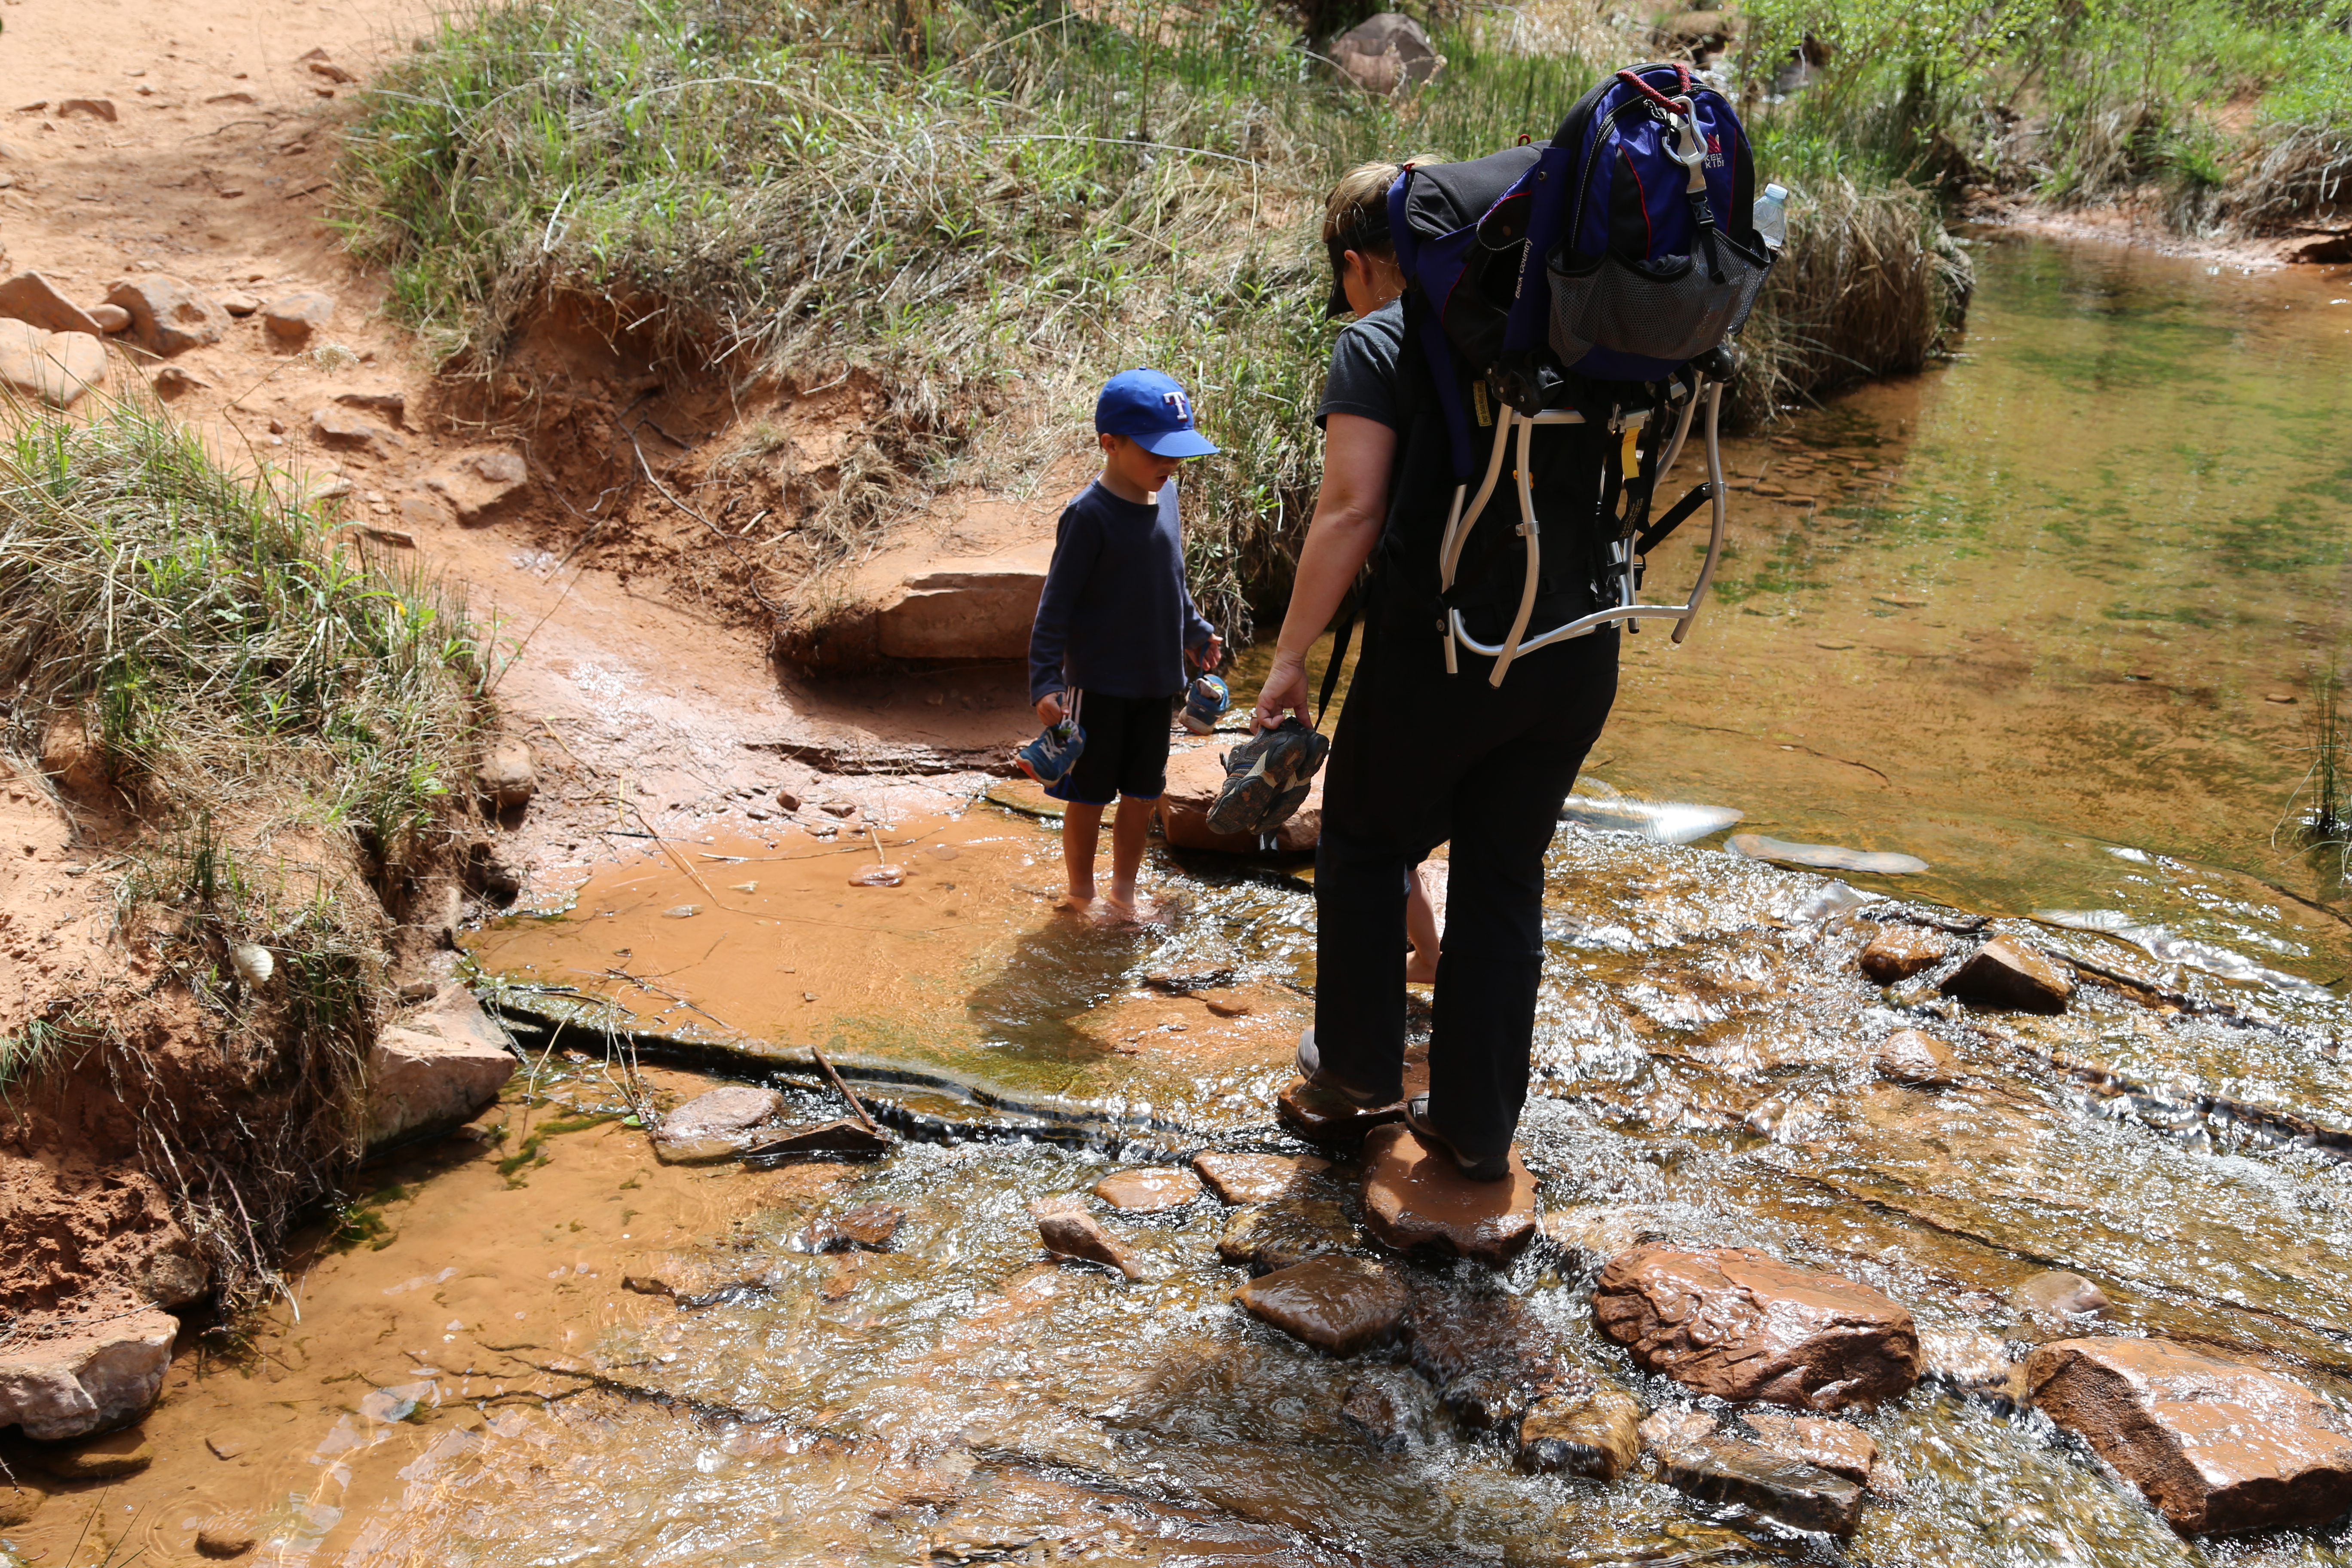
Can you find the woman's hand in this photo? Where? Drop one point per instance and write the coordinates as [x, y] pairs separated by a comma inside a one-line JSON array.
[[1284, 690]]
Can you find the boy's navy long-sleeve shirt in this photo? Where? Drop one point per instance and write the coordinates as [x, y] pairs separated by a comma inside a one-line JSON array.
[[1115, 616]]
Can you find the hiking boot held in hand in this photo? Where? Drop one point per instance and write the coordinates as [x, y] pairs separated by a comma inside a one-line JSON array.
[[1265, 777]]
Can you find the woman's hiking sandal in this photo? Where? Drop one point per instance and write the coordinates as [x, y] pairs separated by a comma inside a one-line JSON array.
[[1260, 775], [1310, 1068], [1494, 1168]]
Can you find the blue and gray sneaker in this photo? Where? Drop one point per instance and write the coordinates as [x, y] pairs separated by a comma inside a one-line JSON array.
[[1204, 700], [1049, 758]]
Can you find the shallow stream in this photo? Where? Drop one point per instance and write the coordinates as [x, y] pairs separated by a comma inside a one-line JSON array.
[[2025, 627]]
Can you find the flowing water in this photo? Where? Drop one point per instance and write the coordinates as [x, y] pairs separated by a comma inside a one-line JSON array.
[[2025, 624]]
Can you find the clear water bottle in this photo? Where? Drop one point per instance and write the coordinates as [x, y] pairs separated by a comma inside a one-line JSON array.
[[1772, 217]]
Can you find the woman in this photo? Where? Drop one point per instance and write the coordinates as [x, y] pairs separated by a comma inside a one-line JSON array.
[[1421, 756]]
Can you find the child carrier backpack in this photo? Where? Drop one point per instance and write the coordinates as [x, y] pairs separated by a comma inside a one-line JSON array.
[[1596, 281]]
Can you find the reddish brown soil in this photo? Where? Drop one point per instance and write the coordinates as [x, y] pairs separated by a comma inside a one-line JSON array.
[[634, 641]]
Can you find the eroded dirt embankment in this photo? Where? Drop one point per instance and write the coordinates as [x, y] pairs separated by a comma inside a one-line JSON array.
[[591, 507]]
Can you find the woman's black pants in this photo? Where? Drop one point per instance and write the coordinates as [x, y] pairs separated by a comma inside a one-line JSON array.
[[1422, 757]]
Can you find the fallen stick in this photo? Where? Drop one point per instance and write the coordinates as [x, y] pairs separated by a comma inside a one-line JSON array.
[[855, 1103]]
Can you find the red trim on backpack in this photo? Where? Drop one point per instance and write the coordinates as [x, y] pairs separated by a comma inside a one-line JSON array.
[[1649, 230]]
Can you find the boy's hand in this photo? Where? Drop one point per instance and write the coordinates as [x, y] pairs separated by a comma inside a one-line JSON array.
[[1209, 657], [1049, 711]]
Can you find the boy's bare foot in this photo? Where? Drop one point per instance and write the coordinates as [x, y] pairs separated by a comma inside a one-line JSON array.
[[1077, 903], [1419, 971], [1136, 910]]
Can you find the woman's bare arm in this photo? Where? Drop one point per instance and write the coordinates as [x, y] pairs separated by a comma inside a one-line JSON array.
[[1350, 511]]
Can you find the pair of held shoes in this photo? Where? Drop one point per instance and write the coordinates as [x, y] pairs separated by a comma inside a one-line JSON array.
[[1492, 1168], [1267, 777]]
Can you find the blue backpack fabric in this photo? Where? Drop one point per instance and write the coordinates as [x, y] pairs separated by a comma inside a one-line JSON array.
[[1626, 272]]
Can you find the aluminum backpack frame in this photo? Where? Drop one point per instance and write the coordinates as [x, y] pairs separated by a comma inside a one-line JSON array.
[[1624, 561]]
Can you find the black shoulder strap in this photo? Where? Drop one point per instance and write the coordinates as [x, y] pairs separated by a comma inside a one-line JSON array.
[[1338, 657]]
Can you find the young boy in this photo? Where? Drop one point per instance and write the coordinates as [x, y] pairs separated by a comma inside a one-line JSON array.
[[1114, 626]]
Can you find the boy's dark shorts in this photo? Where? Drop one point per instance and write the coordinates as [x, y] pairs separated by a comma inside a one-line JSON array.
[[1127, 750]]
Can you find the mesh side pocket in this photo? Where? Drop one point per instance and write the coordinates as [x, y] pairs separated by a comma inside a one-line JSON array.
[[1667, 310]]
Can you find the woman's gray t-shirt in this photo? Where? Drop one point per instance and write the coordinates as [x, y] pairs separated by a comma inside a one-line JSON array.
[[1365, 366]]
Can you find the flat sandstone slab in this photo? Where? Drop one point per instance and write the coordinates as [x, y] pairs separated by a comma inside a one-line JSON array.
[[1149, 1191], [1340, 1304], [1416, 1197], [1743, 1326], [1257, 1178], [2217, 1445]]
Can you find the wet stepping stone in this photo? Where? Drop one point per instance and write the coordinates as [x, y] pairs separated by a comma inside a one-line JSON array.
[[1339, 1304], [1825, 856], [1916, 1057], [1741, 1325], [1281, 1235], [2005, 972], [1152, 1190], [1415, 1196], [868, 1227], [1721, 1470], [1898, 952], [718, 1125], [1838, 1447], [2217, 1445], [1489, 1357], [1068, 1231], [1593, 1432], [1257, 1178]]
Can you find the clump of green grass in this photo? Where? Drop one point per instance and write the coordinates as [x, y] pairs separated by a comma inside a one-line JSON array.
[[286, 720], [219, 651], [2232, 114]]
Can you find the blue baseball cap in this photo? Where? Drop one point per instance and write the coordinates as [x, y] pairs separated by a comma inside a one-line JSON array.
[[1151, 410]]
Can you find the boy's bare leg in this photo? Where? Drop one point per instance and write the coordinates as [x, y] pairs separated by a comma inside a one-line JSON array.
[[1127, 832], [1420, 930], [1081, 832]]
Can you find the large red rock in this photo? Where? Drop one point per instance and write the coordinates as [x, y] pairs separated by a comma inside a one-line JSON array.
[[1416, 1197], [2217, 1445], [1742, 1326], [29, 297], [1195, 776]]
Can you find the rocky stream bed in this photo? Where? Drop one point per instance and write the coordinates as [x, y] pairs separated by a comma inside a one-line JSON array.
[[1852, 1228]]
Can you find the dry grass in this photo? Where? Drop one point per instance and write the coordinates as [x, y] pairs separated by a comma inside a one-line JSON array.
[[1869, 286], [2297, 176]]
